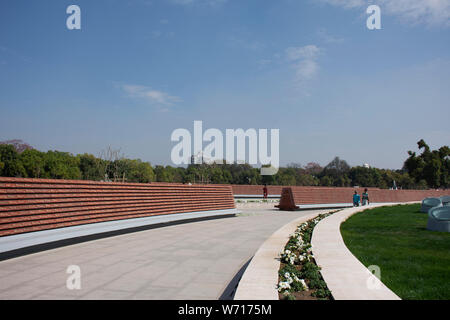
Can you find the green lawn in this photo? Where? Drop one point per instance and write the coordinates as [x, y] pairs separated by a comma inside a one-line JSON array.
[[414, 262]]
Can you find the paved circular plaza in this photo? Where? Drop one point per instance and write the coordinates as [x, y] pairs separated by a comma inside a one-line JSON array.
[[197, 260]]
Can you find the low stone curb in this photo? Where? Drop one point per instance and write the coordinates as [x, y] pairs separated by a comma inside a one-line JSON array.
[[346, 277], [260, 279]]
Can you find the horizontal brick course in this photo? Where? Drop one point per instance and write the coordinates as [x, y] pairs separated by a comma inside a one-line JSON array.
[[291, 197], [256, 190], [28, 205]]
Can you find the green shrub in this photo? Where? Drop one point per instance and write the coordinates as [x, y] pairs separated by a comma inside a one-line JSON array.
[[321, 293]]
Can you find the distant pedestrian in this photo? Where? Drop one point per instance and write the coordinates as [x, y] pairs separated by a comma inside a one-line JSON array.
[[356, 199], [265, 192], [365, 198]]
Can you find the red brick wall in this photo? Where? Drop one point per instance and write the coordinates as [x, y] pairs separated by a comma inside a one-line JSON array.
[[255, 189], [292, 196], [38, 204]]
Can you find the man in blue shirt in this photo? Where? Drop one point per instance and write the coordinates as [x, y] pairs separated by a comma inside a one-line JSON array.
[[356, 199]]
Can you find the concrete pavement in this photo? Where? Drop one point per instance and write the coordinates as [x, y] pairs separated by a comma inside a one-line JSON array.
[[195, 260]]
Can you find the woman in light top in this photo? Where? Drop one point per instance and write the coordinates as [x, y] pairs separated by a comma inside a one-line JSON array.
[[365, 198]]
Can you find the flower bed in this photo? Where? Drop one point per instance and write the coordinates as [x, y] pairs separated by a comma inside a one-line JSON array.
[[299, 276]]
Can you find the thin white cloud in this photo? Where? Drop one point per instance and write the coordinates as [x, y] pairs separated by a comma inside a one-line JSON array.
[[242, 42], [429, 12], [264, 62], [306, 52], [306, 69], [328, 38], [346, 3], [9, 54], [154, 97], [192, 2], [304, 62], [156, 34]]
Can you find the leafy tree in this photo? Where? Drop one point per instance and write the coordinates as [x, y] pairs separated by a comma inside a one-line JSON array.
[[429, 168], [10, 164], [326, 181], [61, 165], [19, 145], [33, 162], [137, 171], [168, 174], [91, 167], [337, 171], [337, 166], [313, 168], [307, 180]]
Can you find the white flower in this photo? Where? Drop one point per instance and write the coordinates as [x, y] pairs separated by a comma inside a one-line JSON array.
[[283, 286], [305, 286], [292, 259]]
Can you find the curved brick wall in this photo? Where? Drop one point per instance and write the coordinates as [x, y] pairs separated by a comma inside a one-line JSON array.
[[256, 190], [293, 196], [38, 204]]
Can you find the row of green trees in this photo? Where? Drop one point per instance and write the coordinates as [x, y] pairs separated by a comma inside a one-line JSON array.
[[428, 170], [32, 163]]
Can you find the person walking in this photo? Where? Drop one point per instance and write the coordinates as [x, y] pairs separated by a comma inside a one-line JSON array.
[[365, 198], [265, 193], [356, 199]]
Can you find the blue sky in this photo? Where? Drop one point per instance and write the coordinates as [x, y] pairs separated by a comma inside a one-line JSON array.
[[139, 69]]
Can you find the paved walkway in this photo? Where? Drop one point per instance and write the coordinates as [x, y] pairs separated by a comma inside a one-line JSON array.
[[346, 277], [188, 261]]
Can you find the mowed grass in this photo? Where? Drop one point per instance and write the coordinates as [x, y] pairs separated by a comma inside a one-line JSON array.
[[414, 262]]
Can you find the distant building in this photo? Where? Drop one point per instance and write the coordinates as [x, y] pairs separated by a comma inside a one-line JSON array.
[[197, 158]]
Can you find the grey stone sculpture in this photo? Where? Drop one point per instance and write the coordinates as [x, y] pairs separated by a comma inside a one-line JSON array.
[[439, 219], [429, 203]]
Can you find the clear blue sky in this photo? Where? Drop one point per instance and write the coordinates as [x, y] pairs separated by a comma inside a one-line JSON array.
[[139, 69]]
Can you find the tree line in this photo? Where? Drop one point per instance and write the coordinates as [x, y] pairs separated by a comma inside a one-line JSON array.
[[430, 169]]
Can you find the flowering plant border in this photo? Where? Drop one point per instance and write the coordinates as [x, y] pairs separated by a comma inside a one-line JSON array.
[[298, 271]]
